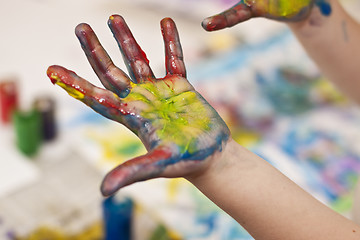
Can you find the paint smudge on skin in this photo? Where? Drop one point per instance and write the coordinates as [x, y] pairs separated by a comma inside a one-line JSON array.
[[279, 8], [177, 118], [291, 10], [345, 31], [72, 91], [324, 6]]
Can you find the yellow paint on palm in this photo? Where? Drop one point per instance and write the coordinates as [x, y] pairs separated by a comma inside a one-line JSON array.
[[177, 117], [280, 8]]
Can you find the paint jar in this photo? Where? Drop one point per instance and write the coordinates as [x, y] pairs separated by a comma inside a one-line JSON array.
[[28, 131], [117, 214], [46, 107], [8, 100]]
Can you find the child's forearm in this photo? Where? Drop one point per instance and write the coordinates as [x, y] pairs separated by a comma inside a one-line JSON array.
[[333, 42], [265, 202]]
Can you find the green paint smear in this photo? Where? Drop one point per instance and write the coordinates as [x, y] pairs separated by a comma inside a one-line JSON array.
[[281, 8], [177, 118]]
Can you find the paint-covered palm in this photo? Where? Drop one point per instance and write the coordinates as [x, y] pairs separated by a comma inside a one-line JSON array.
[[282, 10], [180, 130]]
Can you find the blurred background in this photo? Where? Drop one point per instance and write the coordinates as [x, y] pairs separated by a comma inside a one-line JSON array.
[[54, 151]]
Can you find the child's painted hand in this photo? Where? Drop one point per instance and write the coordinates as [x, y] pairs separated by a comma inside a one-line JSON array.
[[282, 10], [180, 130]]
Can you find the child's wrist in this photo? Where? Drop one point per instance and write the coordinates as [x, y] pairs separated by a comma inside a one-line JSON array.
[[218, 165]]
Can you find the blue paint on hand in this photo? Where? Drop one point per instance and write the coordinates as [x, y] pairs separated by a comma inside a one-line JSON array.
[[324, 6]]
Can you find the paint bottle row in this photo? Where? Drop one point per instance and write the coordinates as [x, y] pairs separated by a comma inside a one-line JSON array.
[[32, 126]]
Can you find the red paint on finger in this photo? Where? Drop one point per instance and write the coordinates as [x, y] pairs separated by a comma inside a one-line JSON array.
[[138, 169], [239, 13], [214, 23], [135, 58], [173, 50]]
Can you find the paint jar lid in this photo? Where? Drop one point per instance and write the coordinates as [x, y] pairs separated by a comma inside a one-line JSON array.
[[46, 107], [44, 104]]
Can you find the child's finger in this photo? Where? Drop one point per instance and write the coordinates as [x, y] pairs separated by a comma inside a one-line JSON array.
[[134, 57], [100, 100], [138, 169], [111, 76], [238, 13], [173, 51]]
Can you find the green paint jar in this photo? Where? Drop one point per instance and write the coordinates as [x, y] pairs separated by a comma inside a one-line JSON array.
[[28, 131]]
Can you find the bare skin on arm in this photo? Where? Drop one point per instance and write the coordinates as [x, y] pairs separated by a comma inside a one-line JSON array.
[[333, 43], [266, 203]]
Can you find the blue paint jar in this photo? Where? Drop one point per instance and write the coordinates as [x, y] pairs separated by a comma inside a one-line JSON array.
[[117, 218]]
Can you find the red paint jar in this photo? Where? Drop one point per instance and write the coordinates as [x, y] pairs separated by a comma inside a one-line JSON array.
[[8, 100]]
